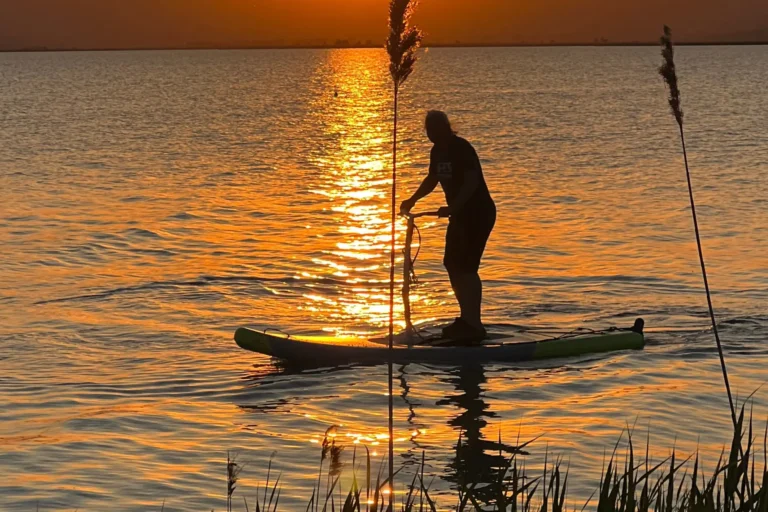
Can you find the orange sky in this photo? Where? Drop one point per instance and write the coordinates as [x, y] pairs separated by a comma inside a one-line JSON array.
[[152, 23]]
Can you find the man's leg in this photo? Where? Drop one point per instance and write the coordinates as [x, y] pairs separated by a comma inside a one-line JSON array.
[[470, 283], [455, 244], [458, 289], [469, 292]]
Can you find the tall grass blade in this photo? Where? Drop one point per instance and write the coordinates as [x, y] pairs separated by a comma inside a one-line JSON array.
[[266, 484], [329, 495], [275, 488], [631, 478], [671, 484], [367, 479]]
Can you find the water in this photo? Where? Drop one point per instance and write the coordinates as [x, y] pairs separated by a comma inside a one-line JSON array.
[[152, 202]]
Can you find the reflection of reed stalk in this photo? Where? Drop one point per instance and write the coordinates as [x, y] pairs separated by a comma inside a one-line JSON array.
[[668, 72], [402, 43]]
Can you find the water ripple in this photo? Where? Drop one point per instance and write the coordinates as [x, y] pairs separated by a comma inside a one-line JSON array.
[[141, 228]]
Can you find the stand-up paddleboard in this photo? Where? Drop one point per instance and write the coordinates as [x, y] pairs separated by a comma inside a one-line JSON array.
[[430, 347], [499, 347]]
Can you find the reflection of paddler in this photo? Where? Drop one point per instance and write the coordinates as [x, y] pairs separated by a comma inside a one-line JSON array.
[[472, 464]]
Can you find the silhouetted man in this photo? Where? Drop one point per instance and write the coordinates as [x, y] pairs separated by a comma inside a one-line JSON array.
[[455, 165]]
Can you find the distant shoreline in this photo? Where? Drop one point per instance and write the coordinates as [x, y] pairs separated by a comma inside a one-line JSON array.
[[357, 47]]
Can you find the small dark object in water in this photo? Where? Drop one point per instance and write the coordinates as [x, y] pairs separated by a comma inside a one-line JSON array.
[[639, 326]]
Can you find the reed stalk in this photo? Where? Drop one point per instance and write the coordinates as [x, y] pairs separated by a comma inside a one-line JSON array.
[[669, 73], [402, 44]]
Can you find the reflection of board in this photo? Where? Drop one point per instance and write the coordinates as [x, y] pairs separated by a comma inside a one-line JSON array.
[[499, 348]]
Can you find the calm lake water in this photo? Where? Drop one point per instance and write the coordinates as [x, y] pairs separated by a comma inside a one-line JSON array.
[[153, 202]]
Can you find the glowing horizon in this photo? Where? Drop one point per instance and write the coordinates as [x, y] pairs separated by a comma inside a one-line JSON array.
[[179, 23]]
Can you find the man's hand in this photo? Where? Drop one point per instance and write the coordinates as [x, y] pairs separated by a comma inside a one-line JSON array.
[[407, 206], [444, 212]]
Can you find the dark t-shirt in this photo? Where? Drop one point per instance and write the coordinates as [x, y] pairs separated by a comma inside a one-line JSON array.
[[450, 163]]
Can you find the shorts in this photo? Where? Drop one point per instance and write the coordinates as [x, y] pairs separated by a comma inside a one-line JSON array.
[[466, 238]]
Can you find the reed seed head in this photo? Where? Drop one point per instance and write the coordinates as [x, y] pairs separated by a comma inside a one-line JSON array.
[[403, 41], [336, 464], [330, 434], [233, 472], [669, 73]]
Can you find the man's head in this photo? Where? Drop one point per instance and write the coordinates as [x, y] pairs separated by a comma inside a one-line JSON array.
[[438, 127]]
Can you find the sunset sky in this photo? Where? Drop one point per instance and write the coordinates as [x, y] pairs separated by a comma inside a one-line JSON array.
[[159, 23]]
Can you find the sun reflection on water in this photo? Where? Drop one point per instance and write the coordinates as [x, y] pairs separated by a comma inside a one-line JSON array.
[[355, 179]]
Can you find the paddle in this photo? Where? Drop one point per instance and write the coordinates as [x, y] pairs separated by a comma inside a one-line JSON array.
[[409, 277]]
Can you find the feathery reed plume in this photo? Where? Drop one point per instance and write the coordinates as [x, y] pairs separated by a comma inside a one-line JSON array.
[[403, 40], [233, 471], [336, 463], [402, 44], [669, 73], [328, 438]]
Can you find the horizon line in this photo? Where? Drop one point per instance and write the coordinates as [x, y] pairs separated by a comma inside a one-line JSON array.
[[191, 47]]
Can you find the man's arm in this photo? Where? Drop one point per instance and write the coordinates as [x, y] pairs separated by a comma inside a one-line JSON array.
[[426, 188]]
